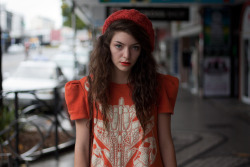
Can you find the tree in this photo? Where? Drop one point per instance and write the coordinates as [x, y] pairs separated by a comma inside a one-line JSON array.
[[67, 19]]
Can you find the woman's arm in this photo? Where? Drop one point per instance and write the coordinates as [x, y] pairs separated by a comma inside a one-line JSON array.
[[165, 140], [82, 143]]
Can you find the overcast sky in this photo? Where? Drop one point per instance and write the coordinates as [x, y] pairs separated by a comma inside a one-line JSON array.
[[50, 9]]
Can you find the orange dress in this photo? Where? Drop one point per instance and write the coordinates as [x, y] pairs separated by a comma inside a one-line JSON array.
[[123, 144]]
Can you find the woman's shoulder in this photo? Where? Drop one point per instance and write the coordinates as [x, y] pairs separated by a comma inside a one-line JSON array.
[[77, 99], [168, 79], [82, 83], [168, 90]]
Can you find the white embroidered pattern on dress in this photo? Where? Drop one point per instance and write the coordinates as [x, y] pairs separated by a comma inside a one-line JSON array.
[[124, 132]]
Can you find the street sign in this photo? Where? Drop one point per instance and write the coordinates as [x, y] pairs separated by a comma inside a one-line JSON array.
[[168, 1], [158, 14], [192, 1]]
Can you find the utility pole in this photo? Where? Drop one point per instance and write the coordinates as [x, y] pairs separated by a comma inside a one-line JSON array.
[[1, 77], [73, 24]]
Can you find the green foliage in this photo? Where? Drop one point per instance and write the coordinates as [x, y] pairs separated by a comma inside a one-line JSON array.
[[6, 117], [67, 17]]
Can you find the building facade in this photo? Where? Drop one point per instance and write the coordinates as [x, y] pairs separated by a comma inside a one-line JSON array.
[[12, 28], [209, 51]]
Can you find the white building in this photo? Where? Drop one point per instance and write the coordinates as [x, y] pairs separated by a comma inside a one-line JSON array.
[[40, 27], [12, 27]]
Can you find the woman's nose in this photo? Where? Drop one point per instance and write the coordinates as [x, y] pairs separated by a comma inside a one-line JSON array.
[[126, 53]]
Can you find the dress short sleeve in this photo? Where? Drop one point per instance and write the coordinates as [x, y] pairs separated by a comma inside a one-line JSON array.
[[169, 86], [76, 99]]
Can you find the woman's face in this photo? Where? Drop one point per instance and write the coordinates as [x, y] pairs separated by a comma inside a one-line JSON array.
[[125, 51]]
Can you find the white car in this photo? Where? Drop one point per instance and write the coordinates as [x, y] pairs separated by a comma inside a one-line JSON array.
[[15, 48], [83, 56], [69, 65], [37, 76]]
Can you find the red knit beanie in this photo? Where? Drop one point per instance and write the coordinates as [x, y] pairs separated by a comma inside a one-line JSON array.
[[135, 16]]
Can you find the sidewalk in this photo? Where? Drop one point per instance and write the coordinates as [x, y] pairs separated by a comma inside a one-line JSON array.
[[215, 131], [206, 133]]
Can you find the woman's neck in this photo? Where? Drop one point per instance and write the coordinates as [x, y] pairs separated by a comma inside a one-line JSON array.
[[120, 78]]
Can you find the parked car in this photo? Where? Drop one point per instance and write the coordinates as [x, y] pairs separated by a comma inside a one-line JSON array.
[[69, 65], [37, 76], [15, 48], [83, 56]]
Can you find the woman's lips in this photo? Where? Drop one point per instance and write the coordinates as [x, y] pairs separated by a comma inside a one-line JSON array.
[[125, 63]]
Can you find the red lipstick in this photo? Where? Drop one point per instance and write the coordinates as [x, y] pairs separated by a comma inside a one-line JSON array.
[[125, 63]]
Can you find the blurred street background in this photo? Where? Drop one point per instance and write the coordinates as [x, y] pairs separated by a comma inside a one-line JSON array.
[[205, 43]]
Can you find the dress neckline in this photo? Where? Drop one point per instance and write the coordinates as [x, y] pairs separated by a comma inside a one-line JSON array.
[[113, 84]]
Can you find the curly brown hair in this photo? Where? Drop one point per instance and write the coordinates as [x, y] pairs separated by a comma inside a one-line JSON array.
[[142, 78]]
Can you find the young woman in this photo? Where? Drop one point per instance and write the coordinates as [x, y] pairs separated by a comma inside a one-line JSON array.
[[122, 110]]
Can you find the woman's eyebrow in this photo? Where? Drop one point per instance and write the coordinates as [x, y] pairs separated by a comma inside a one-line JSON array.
[[119, 42], [137, 43]]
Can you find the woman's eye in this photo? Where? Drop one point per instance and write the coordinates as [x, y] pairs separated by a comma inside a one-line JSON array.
[[118, 46], [136, 47]]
